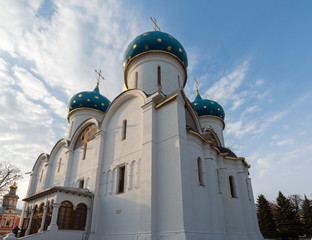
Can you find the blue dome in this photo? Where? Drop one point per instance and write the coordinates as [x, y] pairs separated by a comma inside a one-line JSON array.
[[155, 41], [89, 99], [206, 107]]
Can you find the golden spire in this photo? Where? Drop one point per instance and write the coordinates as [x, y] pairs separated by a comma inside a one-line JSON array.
[[156, 28], [99, 78], [197, 92], [14, 184]]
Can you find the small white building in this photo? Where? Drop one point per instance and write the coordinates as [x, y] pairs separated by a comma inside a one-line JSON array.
[[151, 164]]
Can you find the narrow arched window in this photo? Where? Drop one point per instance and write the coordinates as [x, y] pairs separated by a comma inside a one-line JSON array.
[[70, 129], [85, 147], [232, 187], [41, 175], [136, 79], [200, 171], [65, 215], [121, 179], [80, 216], [59, 166], [81, 183], [179, 83], [124, 130], [158, 76]]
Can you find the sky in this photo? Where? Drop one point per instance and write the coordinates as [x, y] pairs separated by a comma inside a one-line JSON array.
[[252, 57]]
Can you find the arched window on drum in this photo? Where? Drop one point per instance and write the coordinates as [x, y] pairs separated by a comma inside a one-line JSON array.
[[85, 136]]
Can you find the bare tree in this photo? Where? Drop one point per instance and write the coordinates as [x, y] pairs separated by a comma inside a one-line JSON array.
[[8, 174], [296, 200]]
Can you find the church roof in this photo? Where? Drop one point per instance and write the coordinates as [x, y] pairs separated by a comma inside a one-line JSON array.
[[80, 191], [90, 100], [155, 41], [227, 151], [206, 107]]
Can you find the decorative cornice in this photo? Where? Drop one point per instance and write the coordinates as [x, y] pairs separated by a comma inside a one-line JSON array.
[[166, 101], [217, 150], [77, 191]]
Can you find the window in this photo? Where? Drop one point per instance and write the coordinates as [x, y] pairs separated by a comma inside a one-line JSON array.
[[81, 183], [121, 179], [65, 215], [158, 75], [84, 151], [70, 129], [136, 79], [85, 136], [189, 119], [200, 172], [80, 216], [70, 219], [59, 166], [218, 178], [124, 130], [232, 187], [41, 175], [247, 186]]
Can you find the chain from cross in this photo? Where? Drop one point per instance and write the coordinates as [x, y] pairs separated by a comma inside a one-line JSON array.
[[156, 28], [99, 77], [195, 78]]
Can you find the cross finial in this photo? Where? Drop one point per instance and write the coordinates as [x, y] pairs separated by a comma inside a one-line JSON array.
[[100, 77], [156, 28], [195, 78]]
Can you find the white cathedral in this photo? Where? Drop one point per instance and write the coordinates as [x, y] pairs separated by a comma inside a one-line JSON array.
[[149, 165]]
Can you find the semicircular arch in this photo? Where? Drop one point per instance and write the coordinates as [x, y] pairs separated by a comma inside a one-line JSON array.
[[80, 129], [119, 100]]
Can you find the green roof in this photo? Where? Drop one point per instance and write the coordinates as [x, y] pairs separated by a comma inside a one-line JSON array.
[[155, 41]]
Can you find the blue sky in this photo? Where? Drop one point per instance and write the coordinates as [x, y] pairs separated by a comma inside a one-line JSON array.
[[253, 57]]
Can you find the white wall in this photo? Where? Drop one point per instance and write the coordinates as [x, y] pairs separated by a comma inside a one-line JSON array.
[[172, 73]]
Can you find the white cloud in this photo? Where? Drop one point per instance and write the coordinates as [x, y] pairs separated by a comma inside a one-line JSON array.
[[238, 128], [94, 33], [44, 58], [225, 89], [259, 82], [31, 86], [287, 141]]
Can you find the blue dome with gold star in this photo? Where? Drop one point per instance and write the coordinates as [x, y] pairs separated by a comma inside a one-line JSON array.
[[155, 41], [206, 107], [89, 99]]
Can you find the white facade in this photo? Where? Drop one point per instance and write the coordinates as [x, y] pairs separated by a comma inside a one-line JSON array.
[[145, 175]]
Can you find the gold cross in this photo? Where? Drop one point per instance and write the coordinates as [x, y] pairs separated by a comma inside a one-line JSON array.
[[195, 78], [156, 28], [99, 77]]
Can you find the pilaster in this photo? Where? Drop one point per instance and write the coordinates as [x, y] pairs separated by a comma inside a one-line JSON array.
[[53, 225]]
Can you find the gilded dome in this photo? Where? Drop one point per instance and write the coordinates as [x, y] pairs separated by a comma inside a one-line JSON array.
[[155, 41]]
